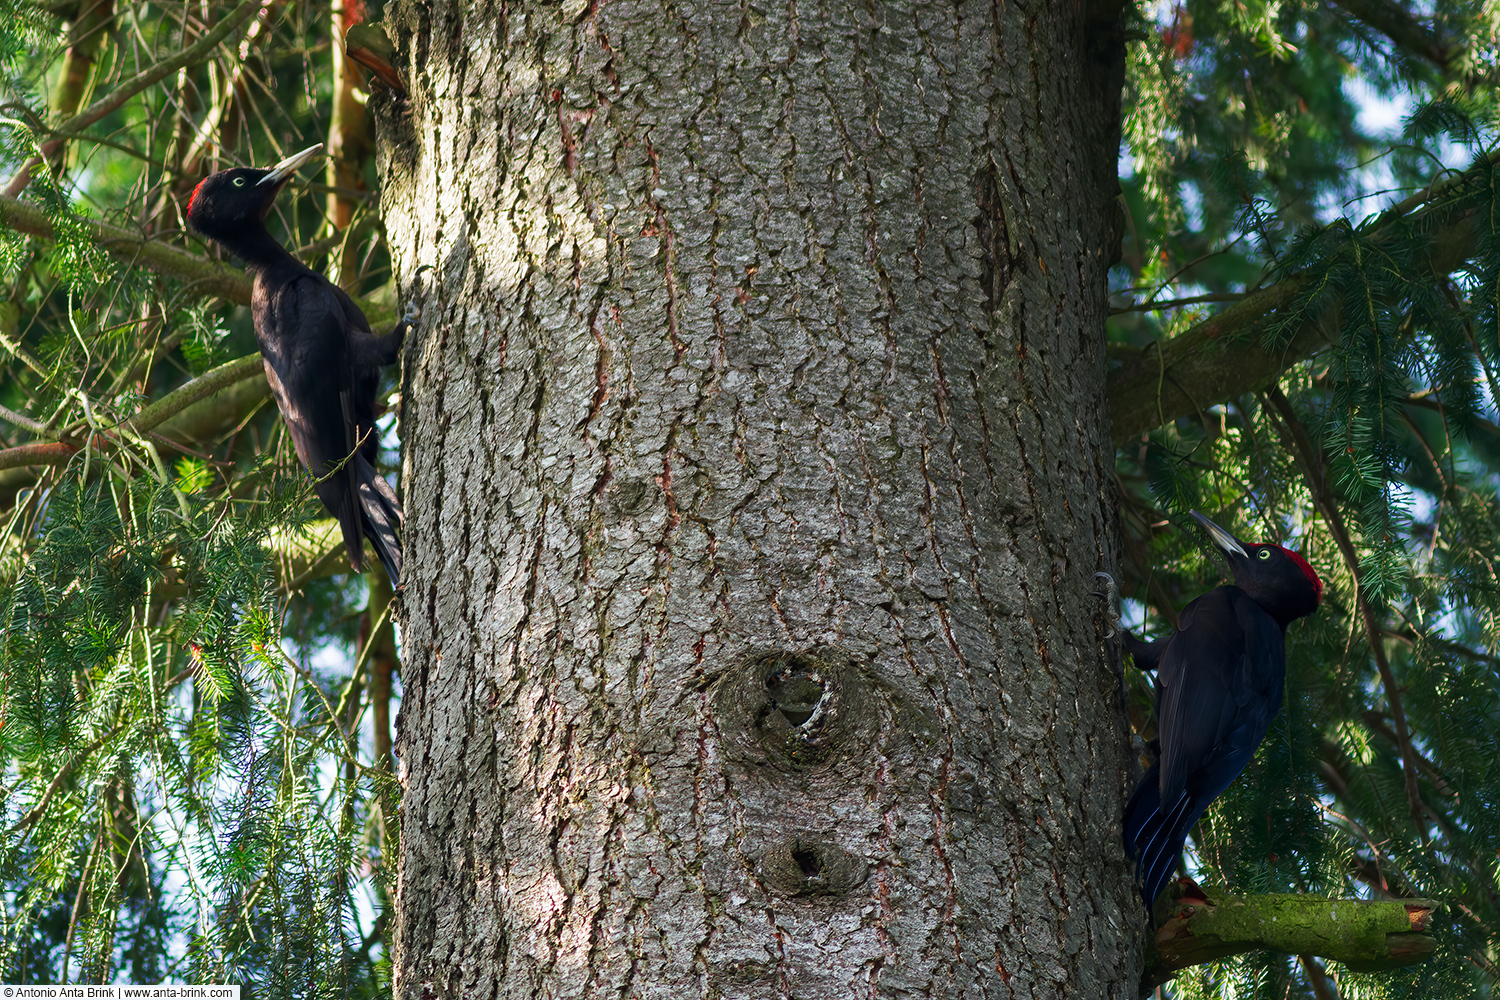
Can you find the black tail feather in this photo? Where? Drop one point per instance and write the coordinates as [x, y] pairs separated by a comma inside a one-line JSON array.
[[1144, 804], [1154, 834], [381, 516], [1162, 850]]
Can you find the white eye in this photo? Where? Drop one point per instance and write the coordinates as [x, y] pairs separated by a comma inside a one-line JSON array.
[[239, 182], [1263, 554]]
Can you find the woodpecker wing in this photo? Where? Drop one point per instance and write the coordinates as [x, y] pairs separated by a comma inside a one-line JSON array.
[[368, 354], [1220, 683], [304, 342], [320, 365]]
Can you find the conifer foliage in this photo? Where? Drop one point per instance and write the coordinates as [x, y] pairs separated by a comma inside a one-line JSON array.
[[1372, 449], [190, 792], [193, 785]]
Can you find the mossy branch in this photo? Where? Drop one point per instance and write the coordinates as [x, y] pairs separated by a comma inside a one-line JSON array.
[[1363, 935]]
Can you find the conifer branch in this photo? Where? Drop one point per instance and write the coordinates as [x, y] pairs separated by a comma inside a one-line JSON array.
[[24, 422], [1398, 713], [87, 33], [202, 387], [37, 453], [1309, 459], [1215, 360], [219, 415], [146, 78], [63, 773], [1191, 300], [209, 131], [203, 275], [1364, 935], [1225, 356], [1317, 978], [1399, 25], [1376, 723], [174, 402], [1412, 636]]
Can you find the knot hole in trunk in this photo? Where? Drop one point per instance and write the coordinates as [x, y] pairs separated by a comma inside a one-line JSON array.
[[804, 866], [797, 710], [797, 693]]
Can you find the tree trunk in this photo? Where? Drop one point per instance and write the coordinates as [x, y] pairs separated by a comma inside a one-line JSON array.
[[756, 474]]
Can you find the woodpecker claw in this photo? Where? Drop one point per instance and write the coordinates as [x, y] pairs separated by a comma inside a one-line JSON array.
[[1111, 595], [413, 314]]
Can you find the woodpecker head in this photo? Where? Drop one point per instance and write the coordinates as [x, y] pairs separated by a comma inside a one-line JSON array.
[[229, 203], [1276, 578]]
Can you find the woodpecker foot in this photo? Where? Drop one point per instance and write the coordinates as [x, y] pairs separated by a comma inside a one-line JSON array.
[[1111, 595], [413, 314]]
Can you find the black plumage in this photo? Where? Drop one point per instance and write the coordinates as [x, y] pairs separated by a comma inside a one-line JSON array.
[[1219, 685], [321, 358]]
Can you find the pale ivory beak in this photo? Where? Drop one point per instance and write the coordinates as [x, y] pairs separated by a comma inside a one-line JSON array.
[[1223, 539], [288, 166]]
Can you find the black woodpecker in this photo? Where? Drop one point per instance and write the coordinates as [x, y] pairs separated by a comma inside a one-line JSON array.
[[321, 359], [1219, 683]]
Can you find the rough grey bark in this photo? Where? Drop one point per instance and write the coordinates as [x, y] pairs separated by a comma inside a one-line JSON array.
[[756, 473]]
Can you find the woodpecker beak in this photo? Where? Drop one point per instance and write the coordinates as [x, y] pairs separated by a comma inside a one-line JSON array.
[[1223, 539], [289, 166]]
